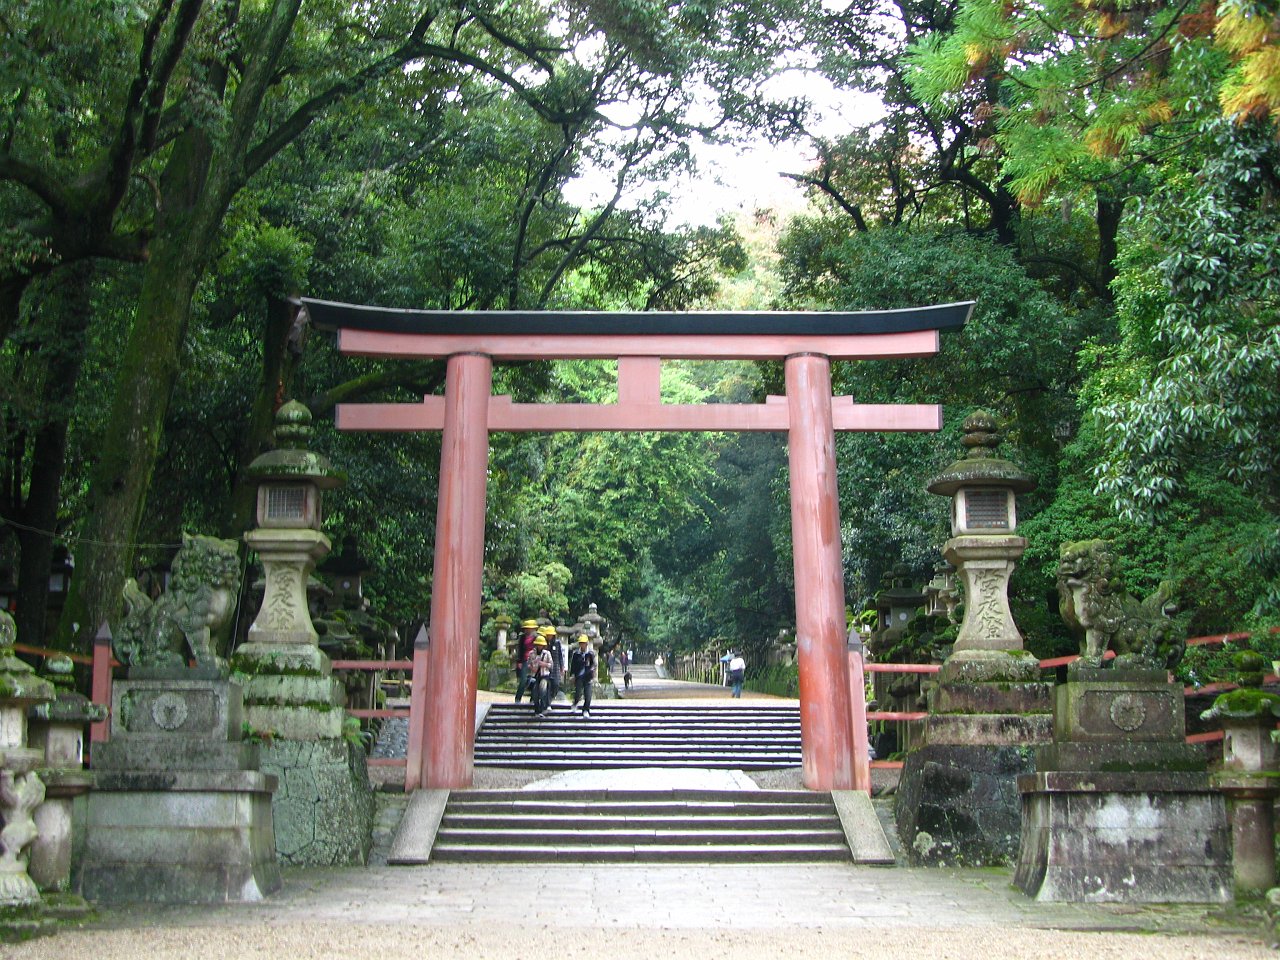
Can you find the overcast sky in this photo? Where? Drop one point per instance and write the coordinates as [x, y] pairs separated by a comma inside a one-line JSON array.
[[736, 179]]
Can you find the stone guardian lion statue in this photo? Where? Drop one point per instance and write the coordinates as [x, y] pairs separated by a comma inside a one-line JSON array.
[[1097, 608], [185, 621]]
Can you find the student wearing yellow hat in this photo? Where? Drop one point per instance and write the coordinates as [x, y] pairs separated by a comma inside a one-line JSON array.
[[539, 670], [582, 665], [557, 660]]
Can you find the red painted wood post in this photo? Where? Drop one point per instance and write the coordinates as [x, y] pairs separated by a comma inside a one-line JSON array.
[[453, 653], [100, 683], [417, 712], [826, 734], [858, 718]]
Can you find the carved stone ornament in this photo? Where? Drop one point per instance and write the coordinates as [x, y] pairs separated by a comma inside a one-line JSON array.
[[186, 619]]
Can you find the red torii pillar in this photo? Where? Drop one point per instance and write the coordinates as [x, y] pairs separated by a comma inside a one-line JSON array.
[[441, 736]]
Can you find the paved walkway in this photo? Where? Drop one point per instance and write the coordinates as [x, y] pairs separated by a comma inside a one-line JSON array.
[[634, 911], [651, 912]]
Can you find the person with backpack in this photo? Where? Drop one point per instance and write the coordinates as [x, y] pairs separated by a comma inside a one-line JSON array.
[[582, 665], [557, 660], [539, 670], [737, 673], [524, 648]]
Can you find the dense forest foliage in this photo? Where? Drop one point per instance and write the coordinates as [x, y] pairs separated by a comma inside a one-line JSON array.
[[1100, 179]]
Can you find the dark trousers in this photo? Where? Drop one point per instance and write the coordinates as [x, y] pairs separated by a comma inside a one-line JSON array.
[[523, 673], [582, 691], [540, 694]]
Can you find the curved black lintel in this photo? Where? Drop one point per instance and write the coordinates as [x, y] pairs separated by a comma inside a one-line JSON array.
[[329, 315]]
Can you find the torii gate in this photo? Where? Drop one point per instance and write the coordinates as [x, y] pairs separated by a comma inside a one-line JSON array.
[[443, 699]]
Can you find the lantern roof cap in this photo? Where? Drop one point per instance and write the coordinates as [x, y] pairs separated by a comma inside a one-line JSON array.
[[291, 460], [980, 467]]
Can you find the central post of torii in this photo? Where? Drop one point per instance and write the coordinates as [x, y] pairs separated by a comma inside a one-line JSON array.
[[832, 712]]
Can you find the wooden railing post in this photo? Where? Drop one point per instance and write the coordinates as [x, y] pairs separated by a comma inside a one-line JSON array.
[[100, 685]]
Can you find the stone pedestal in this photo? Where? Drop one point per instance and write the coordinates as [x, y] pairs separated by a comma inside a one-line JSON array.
[[1120, 808], [323, 810], [1123, 837], [1248, 782], [324, 807], [181, 814], [957, 802], [984, 564]]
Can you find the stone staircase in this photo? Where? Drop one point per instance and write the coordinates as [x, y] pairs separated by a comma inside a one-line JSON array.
[[729, 737], [644, 826]]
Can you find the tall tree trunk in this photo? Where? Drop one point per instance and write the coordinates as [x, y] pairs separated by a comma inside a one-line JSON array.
[[202, 176], [66, 314], [1109, 213], [130, 442]]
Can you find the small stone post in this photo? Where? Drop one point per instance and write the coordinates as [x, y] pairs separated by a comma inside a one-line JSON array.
[[21, 790], [58, 728], [1248, 776]]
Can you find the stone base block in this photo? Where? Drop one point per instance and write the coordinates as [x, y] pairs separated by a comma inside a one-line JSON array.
[[988, 729], [296, 658], [205, 838], [990, 666], [997, 698], [293, 691], [171, 753], [1130, 708], [295, 723], [324, 807], [205, 710], [1123, 838], [1176, 757], [959, 805]]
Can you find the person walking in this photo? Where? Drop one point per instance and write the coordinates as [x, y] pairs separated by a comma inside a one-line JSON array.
[[737, 673], [539, 670], [582, 665], [557, 661], [524, 649]]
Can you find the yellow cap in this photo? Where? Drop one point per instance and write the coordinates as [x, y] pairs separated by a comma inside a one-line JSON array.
[[528, 624], [540, 642]]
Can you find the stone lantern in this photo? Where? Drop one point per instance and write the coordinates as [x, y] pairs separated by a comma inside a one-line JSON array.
[[502, 623], [984, 546], [57, 728], [290, 690], [1247, 778], [347, 569], [940, 592], [323, 810], [958, 797], [896, 605], [21, 790]]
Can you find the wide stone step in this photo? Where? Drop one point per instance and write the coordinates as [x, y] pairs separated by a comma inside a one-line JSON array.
[[642, 853], [559, 748], [534, 762], [586, 825], [594, 822], [720, 737], [535, 833]]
